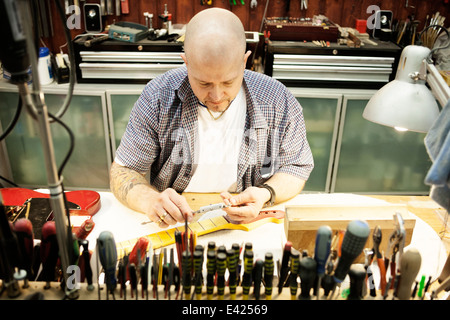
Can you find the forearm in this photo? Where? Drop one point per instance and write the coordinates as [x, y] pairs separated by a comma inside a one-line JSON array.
[[286, 186], [130, 187]]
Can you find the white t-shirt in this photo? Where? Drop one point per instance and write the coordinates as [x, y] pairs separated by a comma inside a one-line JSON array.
[[217, 151]]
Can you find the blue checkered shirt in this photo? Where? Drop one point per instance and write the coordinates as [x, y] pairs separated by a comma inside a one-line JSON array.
[[161, 134]]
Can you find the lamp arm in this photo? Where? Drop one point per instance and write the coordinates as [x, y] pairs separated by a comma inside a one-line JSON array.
[[438, 86]]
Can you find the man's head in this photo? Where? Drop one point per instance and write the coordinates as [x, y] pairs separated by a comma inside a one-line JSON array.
[[215, 57]]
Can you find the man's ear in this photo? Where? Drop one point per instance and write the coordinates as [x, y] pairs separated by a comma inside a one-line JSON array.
[[183, 56], [247, 54]]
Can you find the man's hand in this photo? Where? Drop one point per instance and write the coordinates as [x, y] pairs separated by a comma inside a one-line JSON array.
[[168, 208], [133, 190], [246, 205]]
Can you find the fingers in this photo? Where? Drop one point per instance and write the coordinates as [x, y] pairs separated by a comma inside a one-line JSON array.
[[242, 214], [169, 208], [245, 206]]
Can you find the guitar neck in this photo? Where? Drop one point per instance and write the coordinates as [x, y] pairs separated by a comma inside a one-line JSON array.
[[167, 237]]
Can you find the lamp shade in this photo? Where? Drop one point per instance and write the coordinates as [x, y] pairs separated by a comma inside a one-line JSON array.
[[405, 102]]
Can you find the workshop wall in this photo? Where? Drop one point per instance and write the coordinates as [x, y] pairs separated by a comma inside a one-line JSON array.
[[342, 12]]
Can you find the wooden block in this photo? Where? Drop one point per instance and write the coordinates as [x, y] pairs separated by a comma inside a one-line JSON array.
[[302, 221]]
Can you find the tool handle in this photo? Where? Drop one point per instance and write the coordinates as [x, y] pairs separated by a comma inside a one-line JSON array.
[[357, 274], [322, 248], [49, 250], [409, 268], [307, 273], [258, 270], [108, 257], [24, 232]]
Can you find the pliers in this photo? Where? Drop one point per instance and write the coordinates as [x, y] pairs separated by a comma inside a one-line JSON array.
[[376, 251], [396, 244]]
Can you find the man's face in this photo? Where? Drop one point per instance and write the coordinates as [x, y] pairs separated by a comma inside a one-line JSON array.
[[216, 83]]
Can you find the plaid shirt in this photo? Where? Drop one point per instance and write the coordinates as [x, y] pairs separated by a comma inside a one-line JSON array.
[[162, 130]]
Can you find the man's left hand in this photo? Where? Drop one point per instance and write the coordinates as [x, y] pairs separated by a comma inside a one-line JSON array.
[[246, 205]]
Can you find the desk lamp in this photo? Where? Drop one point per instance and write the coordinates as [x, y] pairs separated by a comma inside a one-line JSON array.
[[406, 103]]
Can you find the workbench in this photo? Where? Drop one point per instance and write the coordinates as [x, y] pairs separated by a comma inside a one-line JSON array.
[[127, 224]]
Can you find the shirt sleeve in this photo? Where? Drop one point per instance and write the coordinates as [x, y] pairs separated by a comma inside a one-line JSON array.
[[139, 145], [295, 156]]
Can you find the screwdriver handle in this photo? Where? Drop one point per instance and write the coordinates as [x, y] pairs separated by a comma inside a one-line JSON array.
[[307, 273], [198, 265], [247, 278], [108, 257], [409, 268], [258, 271], [268, 274], [25, 237], [87, 263], [357, 275], [48, 251], [186, 275], [322, 248], [211, 271], [293, 285], [284, 270], [232, 261], [221, 268]]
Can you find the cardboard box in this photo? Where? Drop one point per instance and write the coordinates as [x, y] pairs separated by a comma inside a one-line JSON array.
[[302, 221]]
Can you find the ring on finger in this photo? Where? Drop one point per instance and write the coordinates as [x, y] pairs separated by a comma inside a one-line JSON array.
[[161, 219]]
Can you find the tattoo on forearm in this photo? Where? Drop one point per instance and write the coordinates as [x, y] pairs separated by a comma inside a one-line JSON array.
[[122, 180]]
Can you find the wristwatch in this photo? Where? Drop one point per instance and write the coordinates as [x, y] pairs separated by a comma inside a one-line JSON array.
[[272, 194]]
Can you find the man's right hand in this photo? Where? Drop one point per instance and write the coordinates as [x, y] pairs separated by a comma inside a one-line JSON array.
[[133, 190], [168, 208]]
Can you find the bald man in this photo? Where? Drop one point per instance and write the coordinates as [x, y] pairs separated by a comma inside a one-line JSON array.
[[211, 126]]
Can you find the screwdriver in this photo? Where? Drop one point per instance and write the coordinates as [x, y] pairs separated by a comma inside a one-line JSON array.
[[237, 250], [321, 253], [409, 268], [85, 229], [284, 269], [232, 270], [48, 252], [108, 258], [357, 274], [295, 262], [133, 280], [352, 245], [198, 264], [139, 250], [258, 271], [211, 271], [143, 273], [9, 254], [268, 275], [186, 256], [87, 263], [376, 248], [25, 237], [307, 272], [247, 278], [221, 268]]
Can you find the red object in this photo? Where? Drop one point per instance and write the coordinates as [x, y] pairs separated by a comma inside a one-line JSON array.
[[141, 245], [85, 229], [361, 25], [88, 201], [124, 6]]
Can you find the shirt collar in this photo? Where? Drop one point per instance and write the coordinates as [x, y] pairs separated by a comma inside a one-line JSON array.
[[255, 115]]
